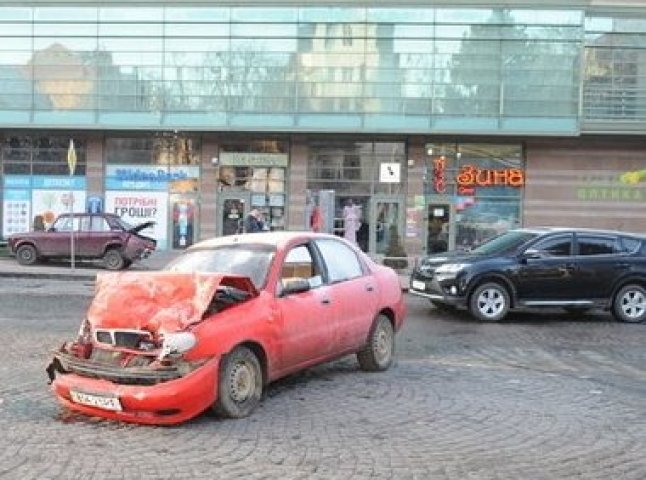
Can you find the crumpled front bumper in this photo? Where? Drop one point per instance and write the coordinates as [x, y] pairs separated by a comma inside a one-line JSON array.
[[173, 400]]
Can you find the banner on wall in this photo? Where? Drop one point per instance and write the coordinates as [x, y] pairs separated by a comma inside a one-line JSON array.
[[183, 209], [138, 207], [26, 197], [16, 212]]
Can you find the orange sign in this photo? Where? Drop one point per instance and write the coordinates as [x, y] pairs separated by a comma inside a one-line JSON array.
[[439, 178], [471, 176]]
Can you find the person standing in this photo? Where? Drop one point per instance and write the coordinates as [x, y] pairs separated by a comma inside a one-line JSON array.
[[254, 223], [351, 221]]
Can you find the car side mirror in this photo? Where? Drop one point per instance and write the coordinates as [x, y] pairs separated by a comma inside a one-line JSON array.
[[531, 253], [294, 285], [51, 229]]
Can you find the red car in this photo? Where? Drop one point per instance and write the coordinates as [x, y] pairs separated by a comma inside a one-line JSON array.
[[102, 236], [223, 320]]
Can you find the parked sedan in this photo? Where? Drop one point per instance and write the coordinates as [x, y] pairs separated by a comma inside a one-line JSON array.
[[223, 320], [96, 236], [576, 269]]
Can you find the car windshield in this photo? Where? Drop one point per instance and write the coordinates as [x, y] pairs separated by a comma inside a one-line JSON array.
[[123, 224], [506, 242], [252, 261]]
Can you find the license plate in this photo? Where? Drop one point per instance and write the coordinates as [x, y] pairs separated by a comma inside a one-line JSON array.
[[99, 401], [417, 285]]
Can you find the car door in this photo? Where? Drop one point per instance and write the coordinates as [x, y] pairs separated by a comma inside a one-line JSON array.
[[353, 293], [546, 269], [57, 242], [100, 235], [600, 262], [308, 332]]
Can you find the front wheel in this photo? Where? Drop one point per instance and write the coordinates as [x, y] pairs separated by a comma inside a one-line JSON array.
[[26, 255], [239, 384], [377, 355], [489, 302], [630, 304]]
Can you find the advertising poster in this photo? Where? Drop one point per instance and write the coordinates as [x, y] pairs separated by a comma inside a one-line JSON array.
[[16, 212], [49, 204], [138, 207], [183, 211]]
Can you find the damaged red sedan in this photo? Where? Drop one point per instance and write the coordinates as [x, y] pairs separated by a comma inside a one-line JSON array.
[[223, 320]]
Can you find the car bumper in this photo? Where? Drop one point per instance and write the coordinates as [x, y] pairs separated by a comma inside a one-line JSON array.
[[166, 403], [444, 290]]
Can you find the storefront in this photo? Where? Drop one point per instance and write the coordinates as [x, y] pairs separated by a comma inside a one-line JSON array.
[[472, 191], [36, 185], [155, 179], [252, 175]]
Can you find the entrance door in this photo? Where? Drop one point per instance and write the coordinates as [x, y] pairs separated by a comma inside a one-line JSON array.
[[438, 227], [232, 209], [386, 220]]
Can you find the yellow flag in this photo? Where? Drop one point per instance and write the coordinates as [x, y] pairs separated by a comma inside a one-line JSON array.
[[71, 157]]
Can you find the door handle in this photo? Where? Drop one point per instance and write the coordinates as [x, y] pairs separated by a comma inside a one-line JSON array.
[[369, 288], [325, 301]]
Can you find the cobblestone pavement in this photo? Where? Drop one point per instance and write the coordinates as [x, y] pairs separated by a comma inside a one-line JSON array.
[[536, 397]]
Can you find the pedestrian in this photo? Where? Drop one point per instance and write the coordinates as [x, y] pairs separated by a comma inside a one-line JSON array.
[[254, 223]]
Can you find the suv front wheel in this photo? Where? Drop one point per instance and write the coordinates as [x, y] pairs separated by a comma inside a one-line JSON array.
[[489, 302], [630, 304]]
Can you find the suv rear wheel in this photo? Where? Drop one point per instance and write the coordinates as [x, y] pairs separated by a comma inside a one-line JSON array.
[[489, 302], [630, 304]]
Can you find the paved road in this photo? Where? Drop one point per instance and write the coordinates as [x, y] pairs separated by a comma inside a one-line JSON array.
[[537, 397]]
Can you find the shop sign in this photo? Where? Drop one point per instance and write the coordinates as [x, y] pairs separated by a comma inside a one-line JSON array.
[[439, 174], [245, 159], [130, 177], [625, 187], [471, 177], [389, 173]]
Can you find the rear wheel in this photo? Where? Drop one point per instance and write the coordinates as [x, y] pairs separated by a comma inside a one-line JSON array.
[[26, 255], [489, 302], [377, 355], [113, 259], [630, 304], [239, 384]]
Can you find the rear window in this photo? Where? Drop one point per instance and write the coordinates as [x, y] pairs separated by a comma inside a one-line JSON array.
[[630, 245]]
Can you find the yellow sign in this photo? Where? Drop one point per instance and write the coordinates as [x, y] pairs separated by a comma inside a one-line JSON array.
[[71, 157]]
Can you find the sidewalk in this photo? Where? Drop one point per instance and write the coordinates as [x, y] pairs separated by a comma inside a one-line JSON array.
[[60, 270], [10, 268]]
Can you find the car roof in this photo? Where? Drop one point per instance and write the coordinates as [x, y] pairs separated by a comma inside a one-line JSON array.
[[272, 239], [601, 231]]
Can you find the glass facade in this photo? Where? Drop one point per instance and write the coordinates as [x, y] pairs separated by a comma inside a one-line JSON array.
[[498, 70], [615, 71]]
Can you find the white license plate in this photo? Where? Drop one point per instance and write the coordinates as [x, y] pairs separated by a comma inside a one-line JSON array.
[[99, 401], [417, 285]]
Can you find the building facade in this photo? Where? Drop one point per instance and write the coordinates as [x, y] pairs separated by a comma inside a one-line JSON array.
[[434, 125]]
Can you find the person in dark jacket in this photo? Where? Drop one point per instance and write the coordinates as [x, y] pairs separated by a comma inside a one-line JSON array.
[[253, 222]]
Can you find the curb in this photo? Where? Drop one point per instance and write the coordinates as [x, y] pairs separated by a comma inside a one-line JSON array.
[[49, 276]]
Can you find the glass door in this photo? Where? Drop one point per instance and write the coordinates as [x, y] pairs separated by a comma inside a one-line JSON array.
[[386, 224], [233, 207], [438, 227]]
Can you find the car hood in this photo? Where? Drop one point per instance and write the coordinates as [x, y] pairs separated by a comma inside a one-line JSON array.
[[142, 226], [158, 302], [449, 257]]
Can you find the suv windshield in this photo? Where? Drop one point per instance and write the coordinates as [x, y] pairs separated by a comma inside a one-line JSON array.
[[251, 261], [506, 242]]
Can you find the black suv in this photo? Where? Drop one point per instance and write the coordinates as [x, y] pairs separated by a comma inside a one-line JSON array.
[[576, 269]]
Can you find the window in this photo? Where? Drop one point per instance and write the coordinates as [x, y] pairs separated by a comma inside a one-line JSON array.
[[629, 245], [85, 224], [560, 246], [299, 264], [342, 262], [99, 224], [589, 245]]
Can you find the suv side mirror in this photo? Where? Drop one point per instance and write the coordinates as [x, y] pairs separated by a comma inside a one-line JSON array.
[[51, 229], [531, 253], [294, 285]]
